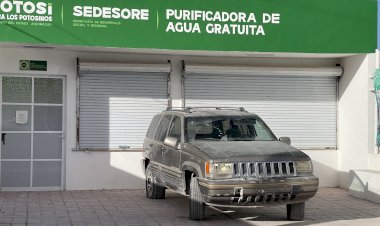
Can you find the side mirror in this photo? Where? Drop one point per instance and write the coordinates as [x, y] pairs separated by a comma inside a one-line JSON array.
[[285, 140], [171, 142]]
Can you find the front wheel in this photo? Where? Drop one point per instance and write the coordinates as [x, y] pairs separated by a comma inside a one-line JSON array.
[[296, 211], [152, 189], [197, 207]]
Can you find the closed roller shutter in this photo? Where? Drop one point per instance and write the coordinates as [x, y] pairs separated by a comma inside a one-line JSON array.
[[117, 108], [302, 107]]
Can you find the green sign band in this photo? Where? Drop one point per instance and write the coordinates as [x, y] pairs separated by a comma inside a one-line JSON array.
[[305, 26]]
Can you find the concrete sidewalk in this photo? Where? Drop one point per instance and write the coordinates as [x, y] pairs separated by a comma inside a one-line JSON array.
[[331, 206]]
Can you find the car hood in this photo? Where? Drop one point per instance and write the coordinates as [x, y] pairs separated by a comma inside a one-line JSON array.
[[250, 151]]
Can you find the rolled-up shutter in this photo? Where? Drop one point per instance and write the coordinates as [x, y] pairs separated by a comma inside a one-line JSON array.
[[117, 103], [300, 103]]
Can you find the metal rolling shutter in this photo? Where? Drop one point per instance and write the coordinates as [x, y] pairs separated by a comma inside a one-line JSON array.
[[300, 106], [117, 104]]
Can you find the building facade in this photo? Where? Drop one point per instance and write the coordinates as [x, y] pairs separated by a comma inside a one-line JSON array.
[[81, 82]]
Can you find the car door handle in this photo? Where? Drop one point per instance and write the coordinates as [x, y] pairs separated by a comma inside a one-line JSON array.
[[164, 150], [151, 145]]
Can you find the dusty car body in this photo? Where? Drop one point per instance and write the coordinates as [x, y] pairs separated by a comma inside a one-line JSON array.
[[225, 157]]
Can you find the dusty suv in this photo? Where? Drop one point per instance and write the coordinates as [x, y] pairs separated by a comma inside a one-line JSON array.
[[225, 157]]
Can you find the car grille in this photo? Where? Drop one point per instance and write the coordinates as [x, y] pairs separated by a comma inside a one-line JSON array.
[[264, 198], [264, 169]]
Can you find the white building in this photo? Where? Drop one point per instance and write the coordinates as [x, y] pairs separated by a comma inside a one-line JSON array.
[[79, 121]]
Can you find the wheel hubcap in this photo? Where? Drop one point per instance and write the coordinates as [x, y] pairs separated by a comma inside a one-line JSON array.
[[149, 182]]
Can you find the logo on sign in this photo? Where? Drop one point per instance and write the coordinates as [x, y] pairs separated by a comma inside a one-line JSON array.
[[21, 7]]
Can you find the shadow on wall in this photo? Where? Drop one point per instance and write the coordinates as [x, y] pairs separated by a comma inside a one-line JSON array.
[[351, 68], [328, 177]]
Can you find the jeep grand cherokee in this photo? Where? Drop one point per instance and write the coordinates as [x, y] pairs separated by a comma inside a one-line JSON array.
[[225, 157]]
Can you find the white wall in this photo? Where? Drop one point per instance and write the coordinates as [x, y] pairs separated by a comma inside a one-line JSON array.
[[325, 163], [360, 156], [374, 162], [356, 116], [100, 170]]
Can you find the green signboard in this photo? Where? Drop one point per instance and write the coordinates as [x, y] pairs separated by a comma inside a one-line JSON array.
[[306, 26], [33, 65]]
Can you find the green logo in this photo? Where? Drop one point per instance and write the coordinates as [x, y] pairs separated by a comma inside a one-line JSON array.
[[24, 65]]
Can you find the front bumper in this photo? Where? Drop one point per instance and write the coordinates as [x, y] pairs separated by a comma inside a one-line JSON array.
[[252, 193]]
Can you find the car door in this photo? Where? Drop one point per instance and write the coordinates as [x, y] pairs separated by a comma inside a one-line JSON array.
[[158, 145], [171, 156]]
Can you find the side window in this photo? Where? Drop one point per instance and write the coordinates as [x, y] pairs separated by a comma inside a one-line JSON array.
[[153, 126], [261, 132], [175, 128], [163, 128]]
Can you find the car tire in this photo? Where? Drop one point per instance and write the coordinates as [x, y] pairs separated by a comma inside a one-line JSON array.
[[296, 211], [152, 189], [197, 206]]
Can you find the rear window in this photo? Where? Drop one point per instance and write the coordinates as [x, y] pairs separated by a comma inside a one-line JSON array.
[[163, 128], [153, 126]]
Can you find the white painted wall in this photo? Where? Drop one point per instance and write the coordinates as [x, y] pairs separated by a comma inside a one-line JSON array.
[[99, 170], [356, 121], [325, 163], [374, 162]]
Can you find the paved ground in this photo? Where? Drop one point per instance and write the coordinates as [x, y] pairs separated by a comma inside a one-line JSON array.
[[130, 207]]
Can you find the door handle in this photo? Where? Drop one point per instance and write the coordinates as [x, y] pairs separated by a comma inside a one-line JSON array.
[[3, 138], [164, 150], [151, 145]]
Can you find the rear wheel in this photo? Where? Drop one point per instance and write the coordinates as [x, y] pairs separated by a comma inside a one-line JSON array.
[[152, 189], [197, 207], [296, 211]]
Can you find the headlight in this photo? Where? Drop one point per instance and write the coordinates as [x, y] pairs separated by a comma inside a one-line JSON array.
[[304, 167], [219, 170]]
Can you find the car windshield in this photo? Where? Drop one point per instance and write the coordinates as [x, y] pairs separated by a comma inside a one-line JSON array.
[[227, 128]]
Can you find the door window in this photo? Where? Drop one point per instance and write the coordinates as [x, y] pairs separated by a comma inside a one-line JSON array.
[[17, 89], [48, 91], [175, 128]]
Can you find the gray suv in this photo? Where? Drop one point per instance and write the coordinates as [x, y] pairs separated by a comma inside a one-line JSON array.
[[225, 157]]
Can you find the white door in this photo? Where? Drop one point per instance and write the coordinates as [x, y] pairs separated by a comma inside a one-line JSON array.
[[31, 132]]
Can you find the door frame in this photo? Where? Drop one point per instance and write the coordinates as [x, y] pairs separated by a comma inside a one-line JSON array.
[[64, 120]]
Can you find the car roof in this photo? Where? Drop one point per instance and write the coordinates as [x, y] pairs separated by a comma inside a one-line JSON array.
[[209, 112]]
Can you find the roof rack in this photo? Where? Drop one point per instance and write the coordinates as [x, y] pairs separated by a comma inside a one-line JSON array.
[[191, 109]]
